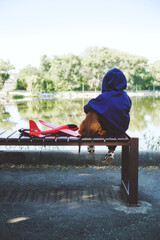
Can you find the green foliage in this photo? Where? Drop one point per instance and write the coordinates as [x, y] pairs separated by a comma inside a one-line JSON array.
[[28, 79], [17, 96], [21, 84], [47, 86], [152, 143], [4, 115], [155, 72], [45, 64], [5, 67], [65, 72], [71, 72], [94, 65], [3, 77]]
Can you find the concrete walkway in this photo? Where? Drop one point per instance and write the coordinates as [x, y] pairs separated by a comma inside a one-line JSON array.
[[80, 203]]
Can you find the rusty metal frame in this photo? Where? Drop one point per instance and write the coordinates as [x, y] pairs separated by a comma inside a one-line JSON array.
[[129, 170]]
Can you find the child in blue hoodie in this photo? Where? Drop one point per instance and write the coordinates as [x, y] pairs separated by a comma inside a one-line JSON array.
[[112, 105]]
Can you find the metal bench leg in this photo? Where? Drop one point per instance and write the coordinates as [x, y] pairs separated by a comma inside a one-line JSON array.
[[125, 164], [125, 170], [133, 172], [129, 174]]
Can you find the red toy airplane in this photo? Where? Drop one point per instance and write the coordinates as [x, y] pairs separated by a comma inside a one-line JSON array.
[[69, 129]]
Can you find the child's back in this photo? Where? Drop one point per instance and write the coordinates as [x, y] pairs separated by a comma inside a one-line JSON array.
[[113, 104]]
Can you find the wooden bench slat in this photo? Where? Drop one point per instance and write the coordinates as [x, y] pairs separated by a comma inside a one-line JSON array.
[[2, 131], [25, 139], [14, 137], [50, 139], [111, 139], [5, 135]]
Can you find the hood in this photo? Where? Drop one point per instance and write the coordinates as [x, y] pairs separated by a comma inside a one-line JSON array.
[[114, 80]]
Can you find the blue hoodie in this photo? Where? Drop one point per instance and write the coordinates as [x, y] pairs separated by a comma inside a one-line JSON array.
[[113, 104]]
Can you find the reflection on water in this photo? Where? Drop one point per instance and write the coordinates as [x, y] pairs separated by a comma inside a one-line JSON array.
[[145, 115]]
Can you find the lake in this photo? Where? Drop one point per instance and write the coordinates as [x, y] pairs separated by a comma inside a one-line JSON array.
[[145, 116]]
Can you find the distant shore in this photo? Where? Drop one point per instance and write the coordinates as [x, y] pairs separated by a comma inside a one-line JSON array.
[[23, 95], [81, 95]]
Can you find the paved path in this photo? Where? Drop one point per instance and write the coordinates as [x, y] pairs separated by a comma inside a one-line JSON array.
[[59, 203]]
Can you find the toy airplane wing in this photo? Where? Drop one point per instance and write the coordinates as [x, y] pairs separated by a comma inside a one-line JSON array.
[[51, 125], [68, 129]]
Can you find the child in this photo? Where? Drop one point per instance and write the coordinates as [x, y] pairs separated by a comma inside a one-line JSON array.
[[113, 106]]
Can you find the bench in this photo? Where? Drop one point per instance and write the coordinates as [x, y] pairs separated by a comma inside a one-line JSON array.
[[129, 169]]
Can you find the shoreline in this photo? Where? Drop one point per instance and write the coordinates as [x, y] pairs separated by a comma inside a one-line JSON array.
[[81, 95], [9, 96]]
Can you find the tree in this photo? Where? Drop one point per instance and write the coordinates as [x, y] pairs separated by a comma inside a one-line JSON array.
[[26, 77], [134, 68], [155, 72], [95, 63], [71, 72], [5, 67], [45, 63], [47, 83], [65, 72], [98, 61]]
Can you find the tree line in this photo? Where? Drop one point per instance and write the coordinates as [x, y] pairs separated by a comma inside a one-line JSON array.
[[71, 72]]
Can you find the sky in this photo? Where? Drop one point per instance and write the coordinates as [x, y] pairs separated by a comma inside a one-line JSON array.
[[32, 28]]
